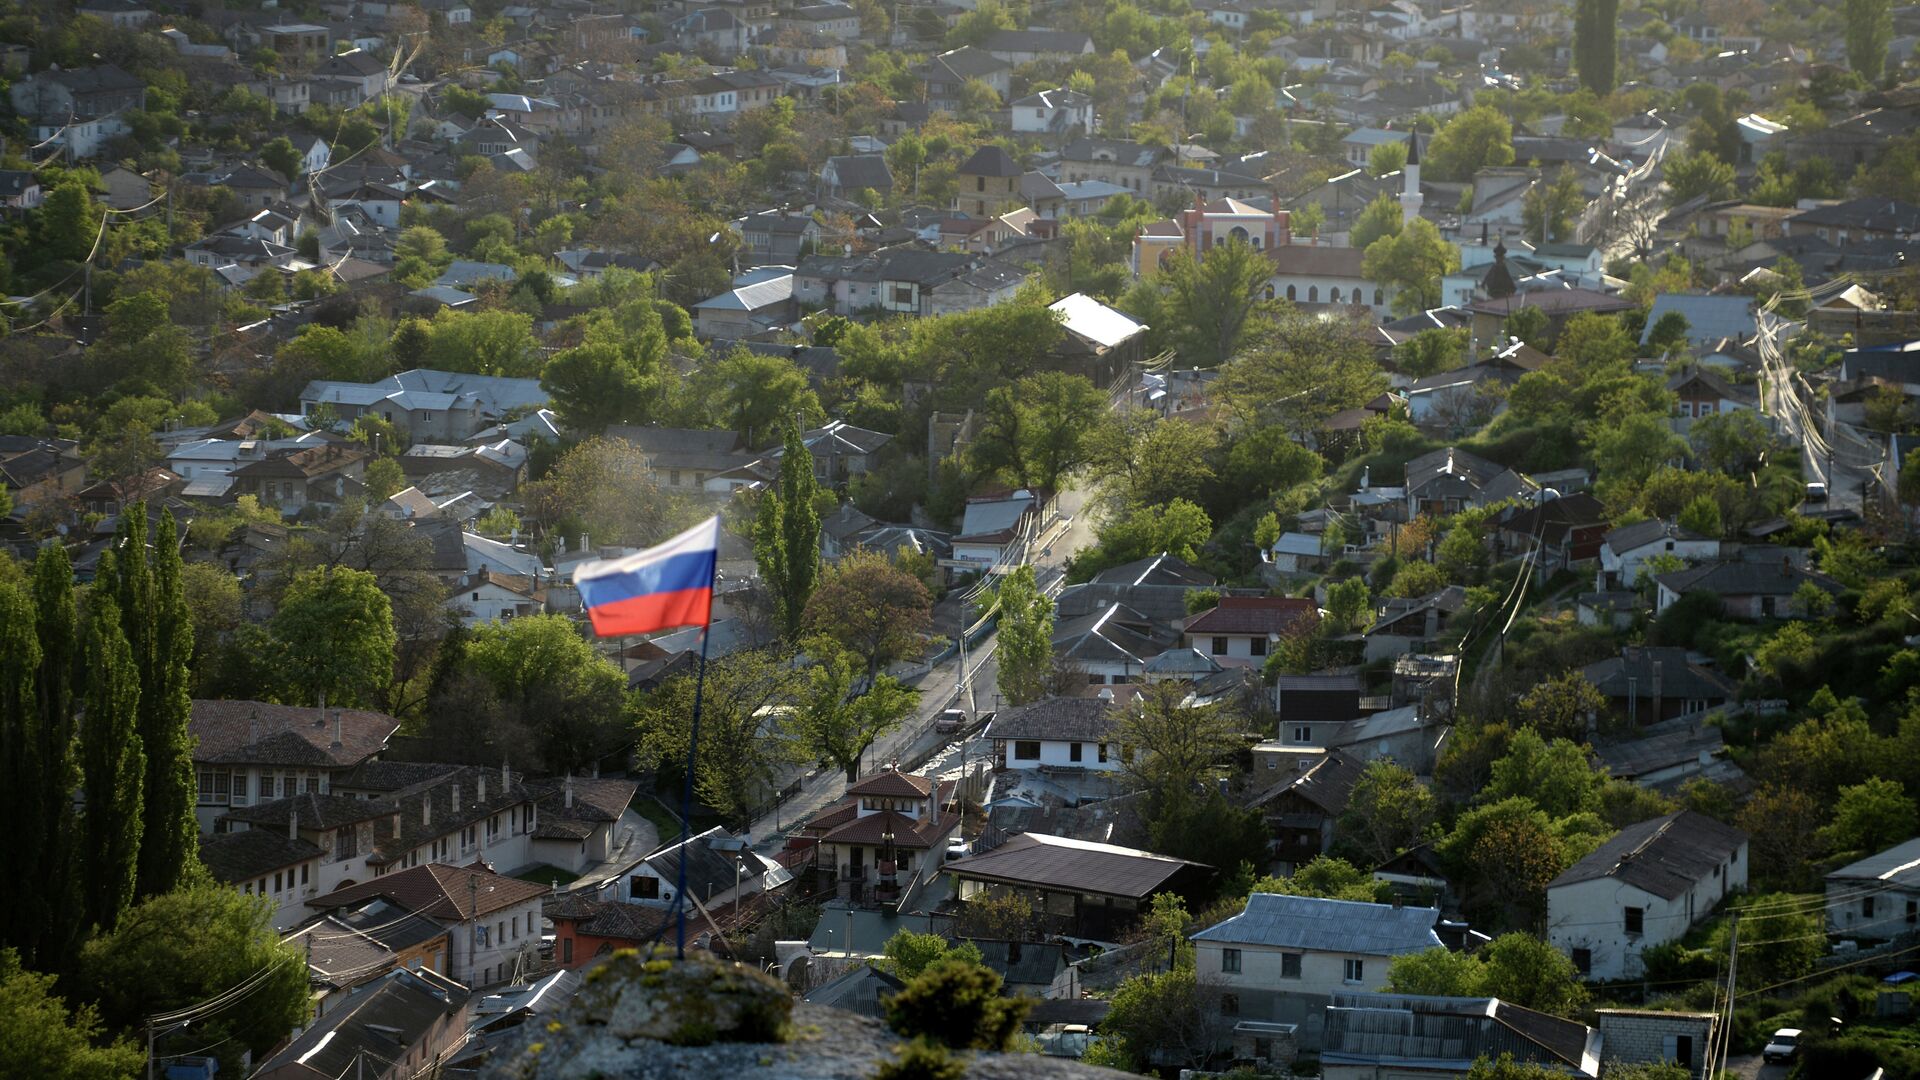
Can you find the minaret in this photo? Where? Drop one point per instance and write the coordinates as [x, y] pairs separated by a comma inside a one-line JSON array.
[[1410, 197]]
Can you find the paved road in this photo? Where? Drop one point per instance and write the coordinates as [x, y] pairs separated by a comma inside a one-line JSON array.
[[1751, 1068], [939, 689]]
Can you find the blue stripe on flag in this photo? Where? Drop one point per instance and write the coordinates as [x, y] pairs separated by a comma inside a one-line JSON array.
[[687, 570]]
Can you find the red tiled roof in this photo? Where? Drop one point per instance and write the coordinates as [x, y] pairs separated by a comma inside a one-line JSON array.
[[1253, 615], [918, 833], [893, 784], [454, 893]]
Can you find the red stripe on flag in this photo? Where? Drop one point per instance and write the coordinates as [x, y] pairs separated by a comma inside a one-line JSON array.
[[654, 611]]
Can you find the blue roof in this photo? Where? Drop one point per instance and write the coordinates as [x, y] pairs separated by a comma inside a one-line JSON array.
[[1336, 926], [1709, 318]]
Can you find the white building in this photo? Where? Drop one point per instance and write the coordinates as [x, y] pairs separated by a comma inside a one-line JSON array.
[[1647, 886], [1057, 731], [1878, 897], [720, 869], [1052, 112], [493, 922], [1240, 630], [1284, 957], [1628, 548]]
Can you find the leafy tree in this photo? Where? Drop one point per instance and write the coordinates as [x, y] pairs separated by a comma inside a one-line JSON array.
[[1872, 815], [1506, 1068], [1702, 516], [1302, 372], [1380, 218], [1869, 26], [40, 1037], [602, 487], [1692, 176], [786, 534], [1781, 939], [1388, 811], [957, 1003], [1628, 452], [554, 685], [112, 764], [1386, 158], [1174, 743], [67, 222], [757, 394], [1037, 430], [1216, 300], [1623, 803], [1025, 636], [1207, 827], [1531, 325], [1507, 852], [1554, 775], [1473, 140], [838, 726], [1267, 459], [872, 608], [159, 631], [493, 342], [1595, 25], [1436, 973], [419, 255], [1328, 877], [39, 644], [1171, 1017], [1178, 528], [603, 382], [1431, 352], [1731, 442], [280, 156], [1137, 459], [1411, 264], [1350, 604], [334, 636], [187, 946], [908, 953], [1562, 707], [383, 478], [742, 741], [1789, 650], [1532, 974], [1549, 210]]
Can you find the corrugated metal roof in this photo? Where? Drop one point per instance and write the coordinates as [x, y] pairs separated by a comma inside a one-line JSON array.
[[1317, 924]]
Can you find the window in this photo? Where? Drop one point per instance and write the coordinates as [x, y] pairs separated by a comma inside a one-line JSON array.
[[1313, 294], [1230, 961], [1229, 1004], [1583, 961], [566, 950], [1103, 760], [1262, 1049], [1334, 295], [1026, 750], [346, 842], [1636, 920], [1866, 907], [1096, 680], [1677, 1048], [1303, 733], [1913, 912], [303, 872], [1219, 646], [213, 785], [979, 183], [673, 477], [642, 887], [1290, 965], [1259, 645], [1379, 297], [276, 881], [1356, 970], [1073, 751], [1290, 293]]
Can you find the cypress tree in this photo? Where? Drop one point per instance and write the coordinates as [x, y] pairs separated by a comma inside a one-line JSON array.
[[113, 765], [1595, 44], [799, 527], [20, 661], [53, 917], [170, 838], [1869, 26]]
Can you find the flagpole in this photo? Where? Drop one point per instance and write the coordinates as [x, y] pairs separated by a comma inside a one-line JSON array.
[[686, 798]]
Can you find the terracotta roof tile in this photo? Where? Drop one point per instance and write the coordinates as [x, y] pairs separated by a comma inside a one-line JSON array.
[[439, 891]]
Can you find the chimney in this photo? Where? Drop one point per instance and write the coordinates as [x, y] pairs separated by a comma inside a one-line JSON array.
[[339, 728], [396, 826], [506, 778], [457, 804], [293, 823], [482, 795], [253, 726], [1658, 666], [1786, 566], [426, 808], [569, 791], [586, 546]]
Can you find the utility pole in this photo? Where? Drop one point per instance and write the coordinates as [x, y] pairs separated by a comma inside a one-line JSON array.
[[1733, 974], [473, 920]]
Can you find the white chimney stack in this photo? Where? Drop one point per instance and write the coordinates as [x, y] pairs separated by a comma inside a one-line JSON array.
[[426, 807], [569, 791], [293, 823], [396, 826], [456, 797], [482, 796]]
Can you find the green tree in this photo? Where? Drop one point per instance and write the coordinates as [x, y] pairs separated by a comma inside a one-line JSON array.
[[757, 394], [41, 1037], [383, 478], [334, 636], [554, 684], [280, 156], [1388, 811], [1411, 264], [1702, 516], [1692, 176], [187, 946], [1174, 743], [601, 383], [1304, 371], [1870, 816], [1473, 140], [837, 726], [1554, 775], [1380, 218], [1171, 1017], [1506, 852], [1628, 452], [1436, 973], [786, 535], [1506, 1068], [67, 222], [1178, 528], [1731, 442], [113, 766], [1532, 974], [1025, 637], [1386, 158], [743, 739], [162, 644], [871, 608], [1595, 27], [39, 733], [1548, 210], [908, 953], [1869, 26], [958, 1004], [1431, 352], [1216, 301], [1350, 604], [492, 342], [1036, 431], [1564, 706]]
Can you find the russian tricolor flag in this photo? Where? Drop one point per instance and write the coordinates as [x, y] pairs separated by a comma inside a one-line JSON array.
[[661, 588]]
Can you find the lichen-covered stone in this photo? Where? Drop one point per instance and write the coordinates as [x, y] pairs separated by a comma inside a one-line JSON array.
[[693, 1002]]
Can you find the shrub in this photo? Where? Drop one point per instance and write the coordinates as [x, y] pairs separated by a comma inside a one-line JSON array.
[[958, 1004], [921, 1060]]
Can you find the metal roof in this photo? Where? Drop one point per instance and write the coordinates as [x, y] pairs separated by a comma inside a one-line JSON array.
[[1316, 924], [1898, 865], [1079, 865]]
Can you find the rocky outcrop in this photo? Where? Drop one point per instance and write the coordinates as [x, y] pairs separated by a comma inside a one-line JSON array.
[[641, 1019]]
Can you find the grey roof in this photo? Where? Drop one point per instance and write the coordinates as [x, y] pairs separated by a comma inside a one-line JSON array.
[[706, 865], [1664, 857], [1747, 578], [1709, 318], [1021, 963], [1037, 859], [384, 1020], [1436, 1035], [1640, 533], [1112, 635], [1670, 742], [853, 172], [991, 518], [1057, 718], [1898, 865], [234, 857], [990, 160], [1067, 41], [1449, 461], [1870, 214], [1182, 662], [1316, 924], [1118, 151], [1635, 668]]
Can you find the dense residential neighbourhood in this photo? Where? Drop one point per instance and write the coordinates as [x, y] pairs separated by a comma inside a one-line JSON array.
[[1284, 538]]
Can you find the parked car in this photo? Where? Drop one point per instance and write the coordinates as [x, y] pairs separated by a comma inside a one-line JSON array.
[[958, 849], [951, 721], [1784, 1044], [1816, 492]]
